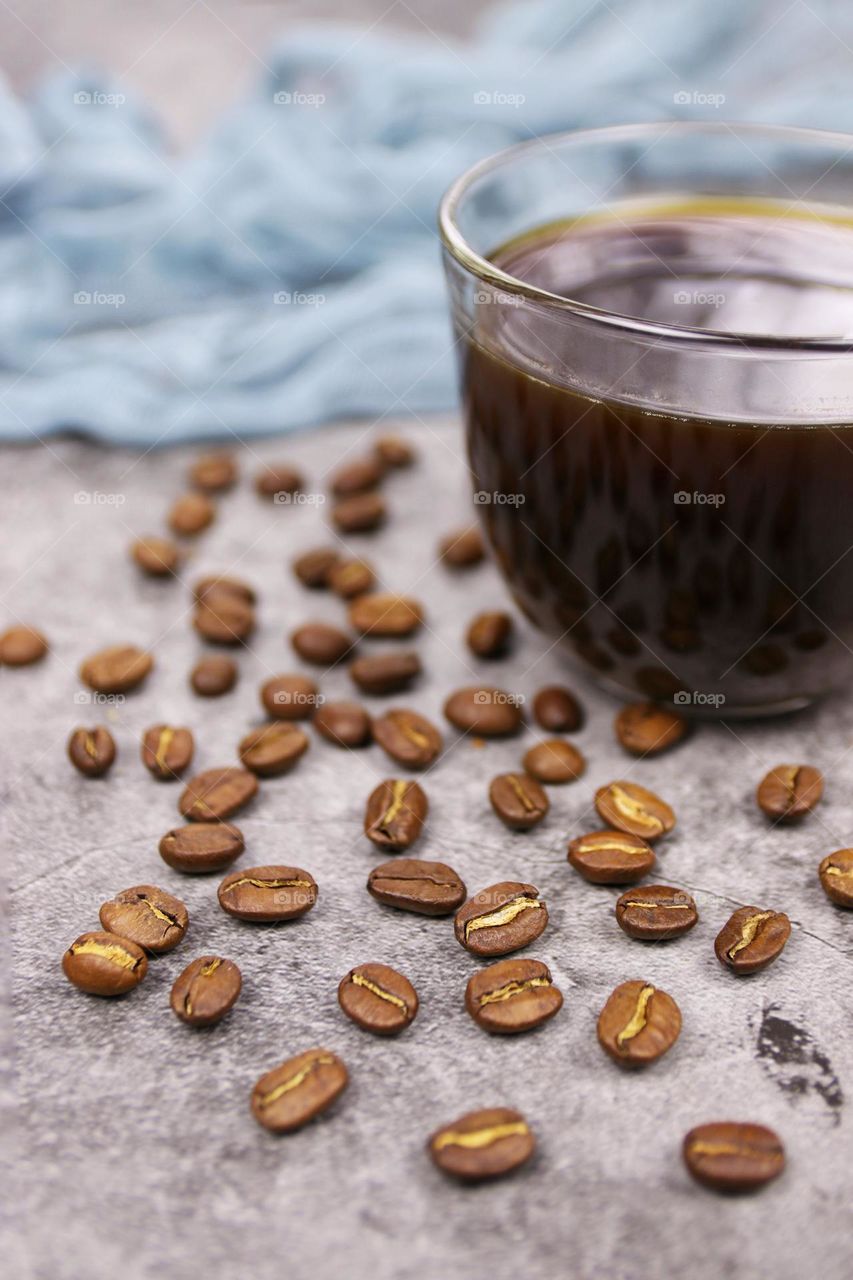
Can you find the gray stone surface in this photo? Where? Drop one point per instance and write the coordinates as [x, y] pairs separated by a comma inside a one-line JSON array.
[[133, 1147]]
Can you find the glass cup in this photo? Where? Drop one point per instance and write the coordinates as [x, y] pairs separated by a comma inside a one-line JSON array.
[[655, 336]]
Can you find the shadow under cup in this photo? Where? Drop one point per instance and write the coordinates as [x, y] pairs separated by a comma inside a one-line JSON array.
[[655, 334]]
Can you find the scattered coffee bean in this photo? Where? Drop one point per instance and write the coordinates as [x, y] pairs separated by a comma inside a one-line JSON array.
[[103, 964], [484, 711], [411, 884], [645, 729], [638, 1024], [217, 793], [512, 996], [321, 644], [611, 857], [272, 749], [213, 472], [362, 513], [201, 847], [407, 737], [378, 999], [347, 724], [191, 514], [21, 646], [836, 877], [217, 584], [751, 939], [268, 894], [148, 916], [396, 812], [393, 451], [558, 710], [278, 478], [158, 557], [357, 476], [554, 762], [213, 676], [92, 751], [790, 791], [313, 568], [655, 912], [633, 809], [300, 1089], [116, 670], [167, 751], [290, 697], [731, 1156], [483, 1144], [490, 635], [518, 800], [224, 618], [500, 919], [462, 548], [383, 673], [350, 578], [383, 614], [205, 991]]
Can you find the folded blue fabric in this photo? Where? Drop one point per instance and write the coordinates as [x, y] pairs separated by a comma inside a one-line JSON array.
[[287, 271]]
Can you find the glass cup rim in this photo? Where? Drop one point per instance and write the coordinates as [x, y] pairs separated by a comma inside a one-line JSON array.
[[462, 252]]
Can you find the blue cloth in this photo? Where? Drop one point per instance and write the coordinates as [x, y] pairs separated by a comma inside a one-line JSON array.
[[287, 270]]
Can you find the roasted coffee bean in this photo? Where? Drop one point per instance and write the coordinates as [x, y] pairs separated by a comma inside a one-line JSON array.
[[213, 676], [396, 812], [21, 646], [611, 857], [500, 919], [462, 548], [731, 1156], [790, 791], [554, 762], [518, 800], [407, 737], [103, 964], [294, 1093], [278, 478], [558, 710], [191, 514], [213, 472], [116, 670], [378, 999], [361, 513], [483, 1144], [633, 809], [217, 584], [655, 912], [217, 793], [490, 635], [484, 711], [836, 877], [290, 697], [512, 996], [393, 451], [321, 644], [382, 613], [357, 476], [638, 1024], [268, 894], [158, 557], [751, 939], [223, 618], [167, 751], [272, 749], [410, 884], [205, 991], [351, 578], [347, 724], [92, 751], [202, 847], [383, 673], [313, 568], [148, 916], [646, 729]]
